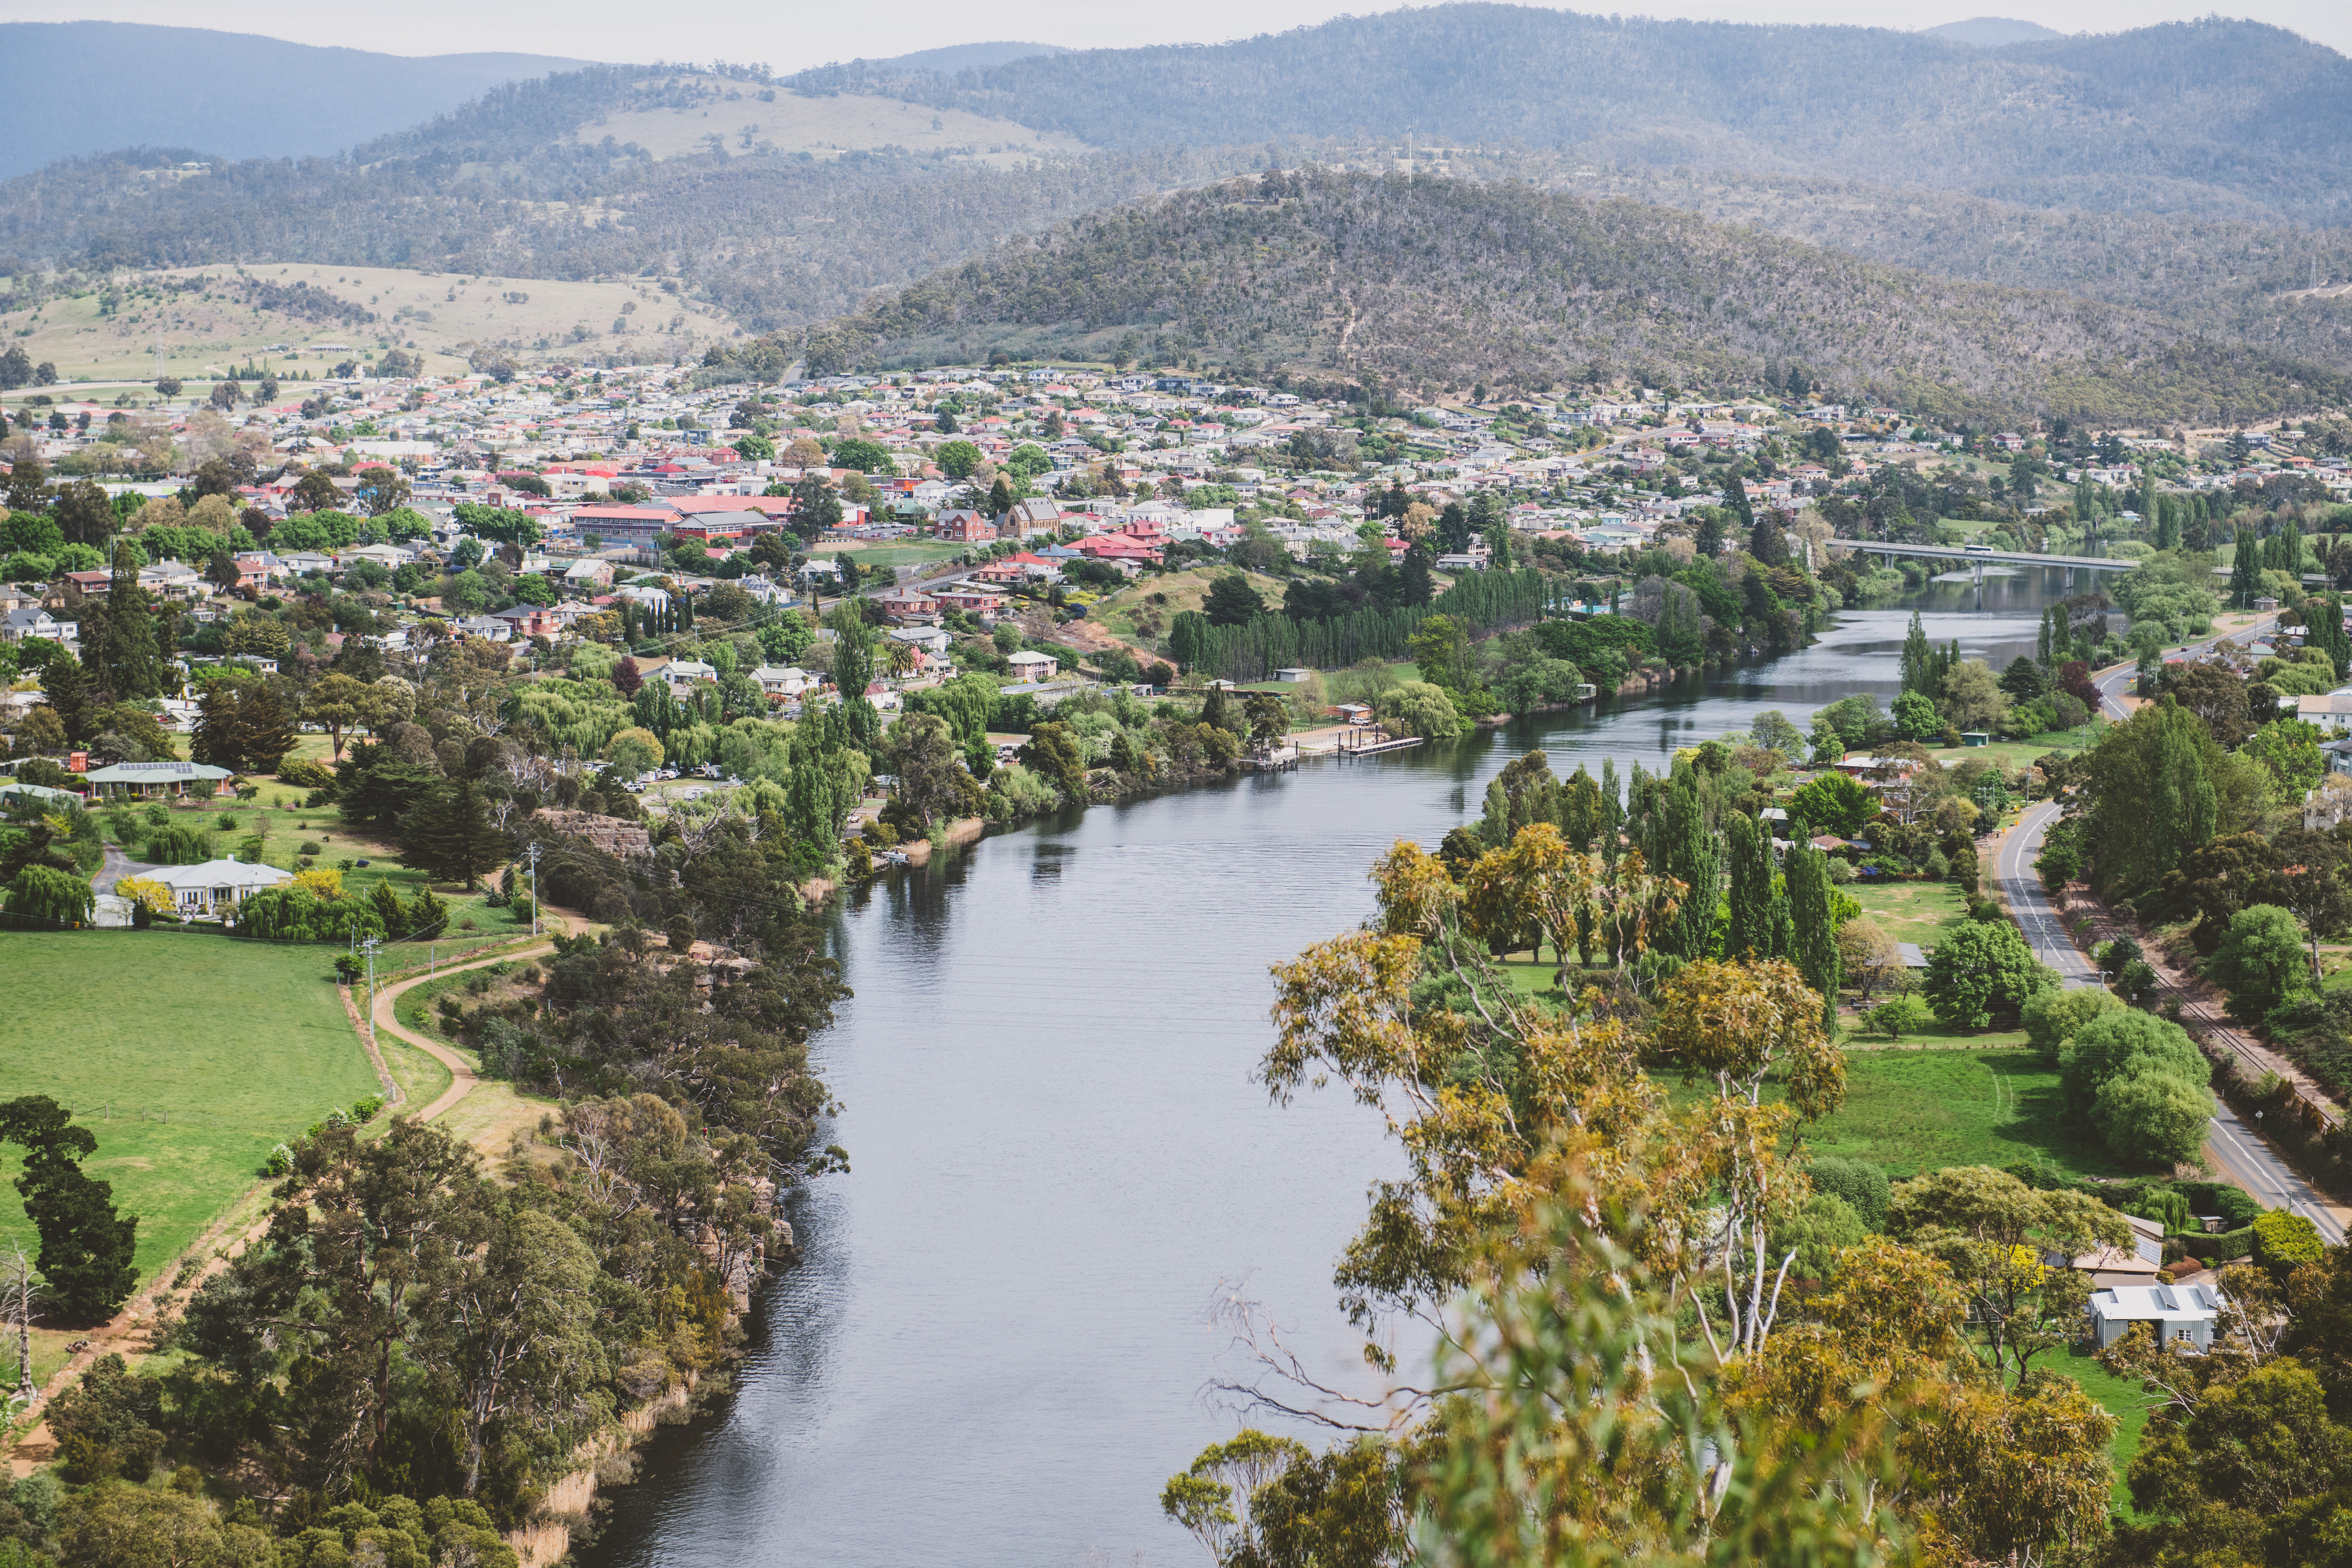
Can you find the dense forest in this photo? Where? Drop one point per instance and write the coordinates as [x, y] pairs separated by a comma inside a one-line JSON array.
[[2215, 115], [1435, 283]]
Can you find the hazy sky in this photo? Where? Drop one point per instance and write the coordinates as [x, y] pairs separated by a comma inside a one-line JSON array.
[[788, 37]]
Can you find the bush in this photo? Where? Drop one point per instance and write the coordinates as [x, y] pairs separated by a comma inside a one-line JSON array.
[[521, 909], [1862, 1185], [179, 844], [304, 774], [1825, 1226], [1898, 1016], [2284, 1242]]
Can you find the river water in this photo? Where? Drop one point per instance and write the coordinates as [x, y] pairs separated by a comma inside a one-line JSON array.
[[998, 1344]]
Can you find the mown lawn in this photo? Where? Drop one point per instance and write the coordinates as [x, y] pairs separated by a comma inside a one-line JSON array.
[[2124, 1399], [1917, 911], [188, 1055], [1949, 1103]]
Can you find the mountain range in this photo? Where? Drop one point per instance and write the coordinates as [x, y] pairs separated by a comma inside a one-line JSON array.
[[229, 95], [2018, 217]]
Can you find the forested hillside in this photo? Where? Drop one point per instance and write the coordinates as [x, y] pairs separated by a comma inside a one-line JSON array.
[[2208, 116], [1432, 284], [775, 240]]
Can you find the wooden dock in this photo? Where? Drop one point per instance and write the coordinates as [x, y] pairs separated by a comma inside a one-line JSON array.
[[1370, 748]]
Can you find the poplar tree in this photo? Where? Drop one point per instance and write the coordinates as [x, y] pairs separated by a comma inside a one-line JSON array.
[[2042, 641], [1812, 930], [1918, 659], [1684, 849], [2245, 569], [1747, 856]]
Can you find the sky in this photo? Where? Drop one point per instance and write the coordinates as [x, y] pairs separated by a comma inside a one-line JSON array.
[[791, 37]]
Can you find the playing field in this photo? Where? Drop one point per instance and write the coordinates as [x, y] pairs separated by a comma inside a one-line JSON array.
[[189, 1056]]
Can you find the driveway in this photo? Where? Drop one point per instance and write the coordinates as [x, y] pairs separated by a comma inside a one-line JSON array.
[[118, 865]]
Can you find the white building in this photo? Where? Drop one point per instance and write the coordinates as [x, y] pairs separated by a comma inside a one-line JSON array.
[[2180, 1314], [216, 887]]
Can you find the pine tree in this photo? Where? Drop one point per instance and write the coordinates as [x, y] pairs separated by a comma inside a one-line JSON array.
[[264, 733], [450, 833], [220, 740], [2245, 569], [87, 1244]]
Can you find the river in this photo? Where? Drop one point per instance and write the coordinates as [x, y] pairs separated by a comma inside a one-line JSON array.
[[997, 1344]]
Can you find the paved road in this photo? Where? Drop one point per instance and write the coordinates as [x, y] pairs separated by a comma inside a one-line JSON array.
[[2044, 932], [2236, 1148], [2111, 685]]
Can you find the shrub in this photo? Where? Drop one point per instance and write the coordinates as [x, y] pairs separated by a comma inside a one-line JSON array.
[[304, 774], [280, 1161], [2284, 1242], [1898, 1016], [1862, 1185]]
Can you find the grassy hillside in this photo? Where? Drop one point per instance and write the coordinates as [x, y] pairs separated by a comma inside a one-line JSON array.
[[188, 1056], [196, 322], [1431, 284]]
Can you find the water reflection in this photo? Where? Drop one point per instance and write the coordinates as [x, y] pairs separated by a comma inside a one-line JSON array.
[[995, 1348]]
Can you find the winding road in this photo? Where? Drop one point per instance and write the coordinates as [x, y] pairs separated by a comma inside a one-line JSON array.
[[2236, 1149]]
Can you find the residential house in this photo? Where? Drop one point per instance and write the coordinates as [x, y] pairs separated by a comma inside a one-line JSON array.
[[153, 779], [532, 621], [1028, 665], [2181, 1315], [2332, 711], [626, 524], [2134, 1263], [932, 640], [986, 603], [682, 674], [32, 620], [907, 603], [216, 887], [172, 579], [1026, 517], [93, 584], [786, 683], [589, 574]]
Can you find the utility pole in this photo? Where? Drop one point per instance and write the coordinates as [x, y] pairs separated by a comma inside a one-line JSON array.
[[533, 854], [369, 947]]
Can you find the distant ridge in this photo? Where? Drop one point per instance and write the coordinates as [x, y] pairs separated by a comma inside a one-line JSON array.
[[79, 87], [953, 57], [1992, 32]]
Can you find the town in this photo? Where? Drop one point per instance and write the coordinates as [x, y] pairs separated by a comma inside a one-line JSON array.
[[1469, 785]]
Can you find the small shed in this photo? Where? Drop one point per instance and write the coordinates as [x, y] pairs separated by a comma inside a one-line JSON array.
[[2265, 604], [1976, 738], [1292, 674]]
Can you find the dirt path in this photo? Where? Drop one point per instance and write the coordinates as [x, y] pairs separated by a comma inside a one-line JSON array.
[[126, 1330], [461, 1076]]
